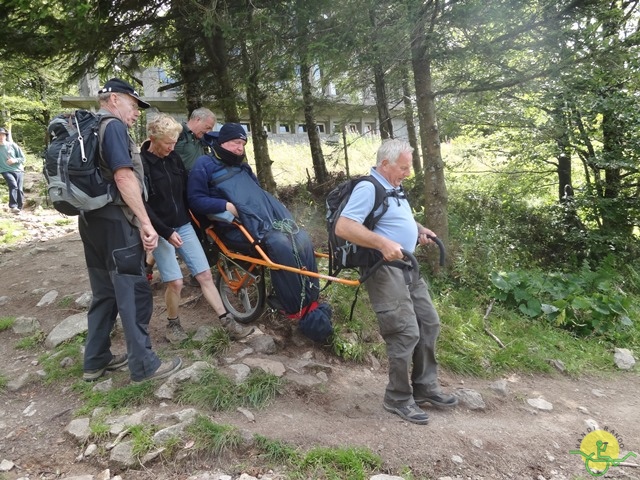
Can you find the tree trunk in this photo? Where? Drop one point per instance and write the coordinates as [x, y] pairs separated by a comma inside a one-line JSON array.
[[189, 74], [382, 102], [435, 189], [224, 91], [563, 141], [386, 128], [317, 158], [615, 216], [254, 103], [319, 165], [408, 119]]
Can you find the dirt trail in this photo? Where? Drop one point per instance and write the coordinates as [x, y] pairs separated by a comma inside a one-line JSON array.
[[507, 440]]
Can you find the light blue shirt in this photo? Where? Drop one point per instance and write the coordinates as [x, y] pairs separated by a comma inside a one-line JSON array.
[[396, 224]]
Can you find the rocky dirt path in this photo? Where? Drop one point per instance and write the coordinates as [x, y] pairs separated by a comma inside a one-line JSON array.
[[507, 439]]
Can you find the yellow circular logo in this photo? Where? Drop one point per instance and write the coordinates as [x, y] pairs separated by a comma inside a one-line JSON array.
[[601, 447], [600, 450]]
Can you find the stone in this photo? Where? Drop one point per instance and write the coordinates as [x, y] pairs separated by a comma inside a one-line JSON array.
[[470, 399], [25, 325], [250, 416], [263, 344], [240, 372], [67, 329], [79, 429], [48, 298], [500, 387], [18, 383], [624, 359], [540, 404], [270, 366], [84, 300]]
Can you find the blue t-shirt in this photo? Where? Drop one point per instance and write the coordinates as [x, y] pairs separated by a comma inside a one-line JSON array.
[[115, 146], [396, 224]]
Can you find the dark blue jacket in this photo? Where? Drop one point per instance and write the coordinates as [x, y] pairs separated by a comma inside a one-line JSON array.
[[213, 183]]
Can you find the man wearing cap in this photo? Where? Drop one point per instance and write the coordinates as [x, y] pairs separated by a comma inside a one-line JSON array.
[[12, 168], [115, 238], [189, 145], [223, 181]]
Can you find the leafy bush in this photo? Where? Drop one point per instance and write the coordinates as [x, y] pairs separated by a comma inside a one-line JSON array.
[[590, 301]]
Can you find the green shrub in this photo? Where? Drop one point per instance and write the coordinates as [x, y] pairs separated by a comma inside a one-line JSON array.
[[587, 302]]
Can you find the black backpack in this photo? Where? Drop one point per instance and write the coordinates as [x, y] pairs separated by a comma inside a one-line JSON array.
[[72, 163], [344, 254]]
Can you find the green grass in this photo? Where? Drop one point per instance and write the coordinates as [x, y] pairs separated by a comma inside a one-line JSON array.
[[31, 342], [99, 429], [259, 389], [65, 302], [125, 396], [211, 438], [291, 163], [11, 232], [142, 439], [337, 463], [52, 362], [276, 452], [215, 391], [6, 323], [465, 348], [217, 344]]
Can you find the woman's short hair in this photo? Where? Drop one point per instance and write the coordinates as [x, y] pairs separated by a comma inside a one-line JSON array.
[[163, 126]]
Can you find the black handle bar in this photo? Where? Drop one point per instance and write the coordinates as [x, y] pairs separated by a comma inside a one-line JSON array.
[[438, 242], [409, 256], [394, 263]]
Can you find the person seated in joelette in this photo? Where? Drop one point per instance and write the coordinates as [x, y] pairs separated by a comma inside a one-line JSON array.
[[224, 182]]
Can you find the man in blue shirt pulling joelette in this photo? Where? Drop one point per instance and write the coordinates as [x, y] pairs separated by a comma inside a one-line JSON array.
[[406, 316]]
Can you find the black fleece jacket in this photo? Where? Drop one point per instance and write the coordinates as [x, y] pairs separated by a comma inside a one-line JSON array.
[[166, 180]]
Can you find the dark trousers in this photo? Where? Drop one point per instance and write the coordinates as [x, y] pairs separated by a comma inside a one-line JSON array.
[[294, 291], [115, 262], [15, 181]]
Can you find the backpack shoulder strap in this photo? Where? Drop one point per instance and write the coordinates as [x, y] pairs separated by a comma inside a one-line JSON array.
[[381, 198], [103, 121]]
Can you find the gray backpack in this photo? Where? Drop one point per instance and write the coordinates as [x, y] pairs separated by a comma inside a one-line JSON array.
[[72, 163]]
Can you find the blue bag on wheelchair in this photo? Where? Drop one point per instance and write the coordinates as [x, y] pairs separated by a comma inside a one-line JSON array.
[[316, 324]]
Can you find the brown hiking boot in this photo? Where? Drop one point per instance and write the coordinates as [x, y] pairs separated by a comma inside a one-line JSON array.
[[235, 330], [175, 333]]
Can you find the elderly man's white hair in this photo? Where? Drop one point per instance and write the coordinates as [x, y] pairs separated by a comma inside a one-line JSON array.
[[202, 113], [391, 149]]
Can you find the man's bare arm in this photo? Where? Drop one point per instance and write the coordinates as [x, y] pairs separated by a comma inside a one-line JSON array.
[[357, 233]]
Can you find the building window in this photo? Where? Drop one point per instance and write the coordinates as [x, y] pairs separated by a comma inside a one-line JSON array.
[[283, 128]]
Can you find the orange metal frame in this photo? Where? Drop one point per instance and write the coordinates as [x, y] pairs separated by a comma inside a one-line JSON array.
[[263, 260]]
